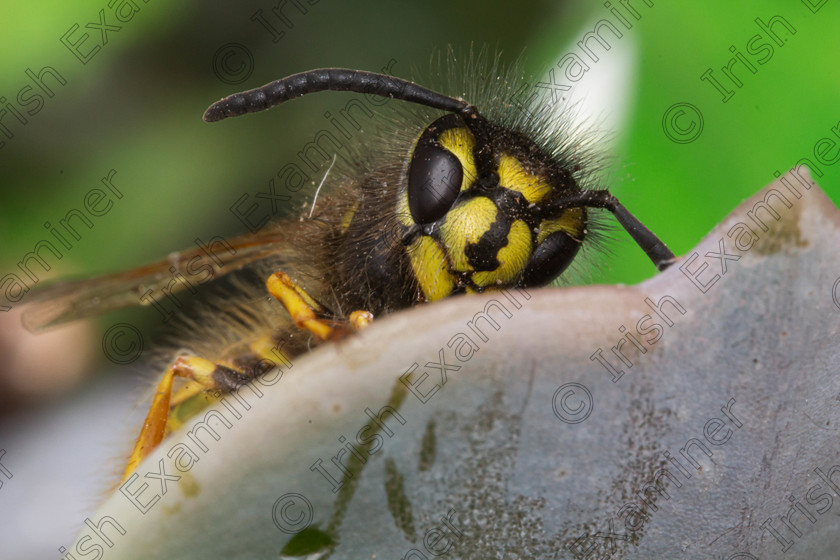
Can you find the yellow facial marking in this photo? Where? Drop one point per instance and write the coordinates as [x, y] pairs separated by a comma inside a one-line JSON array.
[[347, 218], [512, 257], [571, 221], [429, 264], [403, 210], [514, 177], [465, 224], [460, 142]]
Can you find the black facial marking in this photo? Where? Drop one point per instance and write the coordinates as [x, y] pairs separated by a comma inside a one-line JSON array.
[[483, 256]]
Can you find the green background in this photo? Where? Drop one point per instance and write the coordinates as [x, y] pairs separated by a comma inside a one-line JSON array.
[[136, 107]]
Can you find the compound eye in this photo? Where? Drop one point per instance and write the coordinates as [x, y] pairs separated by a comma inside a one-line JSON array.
[[434, 181], [550, 258]]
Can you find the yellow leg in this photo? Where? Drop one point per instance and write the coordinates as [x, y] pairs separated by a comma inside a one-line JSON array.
[[204, 373], [309, 314], [360, 319], [185, 393]]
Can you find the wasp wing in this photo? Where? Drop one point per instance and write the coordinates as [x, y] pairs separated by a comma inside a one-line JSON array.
[[77, 299]]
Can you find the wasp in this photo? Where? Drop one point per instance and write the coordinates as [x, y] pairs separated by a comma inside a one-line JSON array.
[[453, 200]]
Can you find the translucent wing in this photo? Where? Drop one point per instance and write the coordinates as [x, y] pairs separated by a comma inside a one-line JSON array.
[[76, 299]]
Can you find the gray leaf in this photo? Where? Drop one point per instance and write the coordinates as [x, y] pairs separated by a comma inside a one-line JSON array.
[[714, 435]]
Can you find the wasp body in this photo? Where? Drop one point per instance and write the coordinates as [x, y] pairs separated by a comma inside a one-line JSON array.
[[455, 203]]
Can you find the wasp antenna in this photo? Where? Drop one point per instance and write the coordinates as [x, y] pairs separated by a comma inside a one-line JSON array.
[[659, 253], [332, 79], [656, 250]]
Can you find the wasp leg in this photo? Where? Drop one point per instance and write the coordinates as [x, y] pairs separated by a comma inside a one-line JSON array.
[[205, 381], [307, 313], [205, 374], [360, 319]]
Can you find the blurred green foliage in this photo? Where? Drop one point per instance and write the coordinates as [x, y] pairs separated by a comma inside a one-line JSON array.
[[136, 107], [681, 191]]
